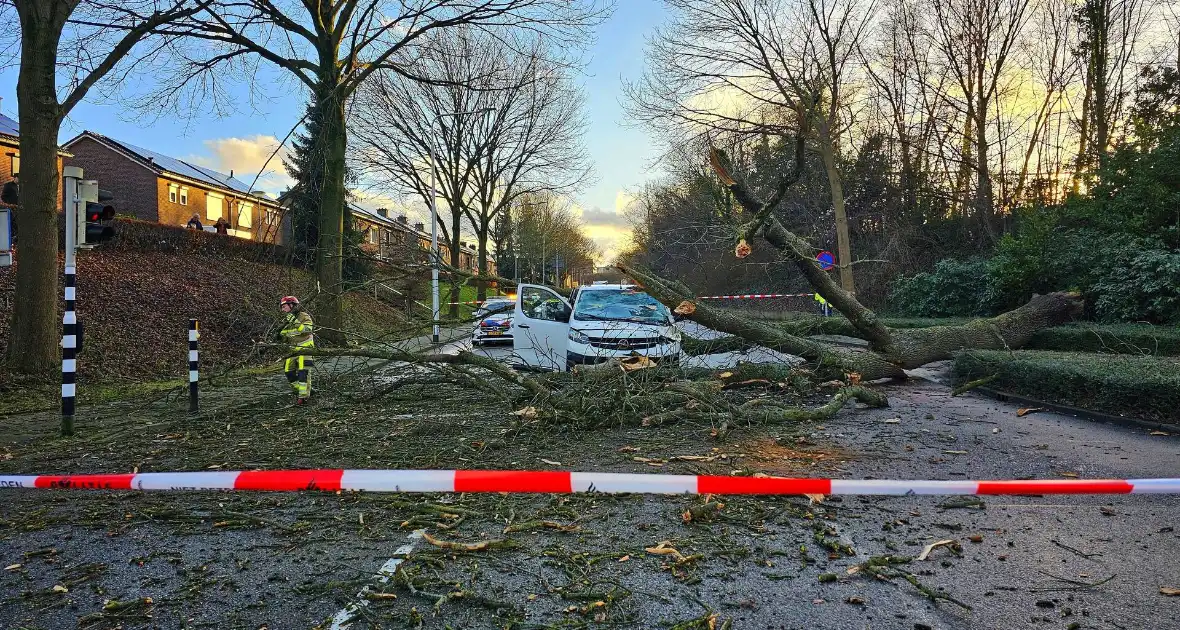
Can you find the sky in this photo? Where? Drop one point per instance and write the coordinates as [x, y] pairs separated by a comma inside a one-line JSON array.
[[243, 140]]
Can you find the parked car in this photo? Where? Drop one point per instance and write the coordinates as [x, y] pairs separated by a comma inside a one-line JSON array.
[[606, 321], [493, 322]]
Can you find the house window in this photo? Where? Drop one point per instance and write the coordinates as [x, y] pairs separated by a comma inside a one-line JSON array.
[[15, 164], [183, 196], [272, 216], [213, 206], [245, 214], [373, 235], [173, 191]]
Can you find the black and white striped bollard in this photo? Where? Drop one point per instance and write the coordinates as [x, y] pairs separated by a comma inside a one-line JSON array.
[[69, 355], [193, 371]]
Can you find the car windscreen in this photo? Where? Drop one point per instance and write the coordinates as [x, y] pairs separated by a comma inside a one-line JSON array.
[[626, 305], [494, 306]]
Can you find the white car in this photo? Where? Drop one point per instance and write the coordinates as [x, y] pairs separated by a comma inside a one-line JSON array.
[[493, 321], [606, 321]]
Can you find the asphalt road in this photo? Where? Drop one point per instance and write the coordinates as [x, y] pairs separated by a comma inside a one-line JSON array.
[[308, 560]]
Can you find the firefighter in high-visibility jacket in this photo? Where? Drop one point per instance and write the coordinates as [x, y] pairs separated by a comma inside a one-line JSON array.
[[824, 308], [297, 331]]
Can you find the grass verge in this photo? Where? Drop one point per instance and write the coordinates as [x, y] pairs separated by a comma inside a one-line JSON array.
[[1146, 387]]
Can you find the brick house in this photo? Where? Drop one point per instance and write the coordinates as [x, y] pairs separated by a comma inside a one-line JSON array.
[[395, 239], [10, 147], [154, 187]]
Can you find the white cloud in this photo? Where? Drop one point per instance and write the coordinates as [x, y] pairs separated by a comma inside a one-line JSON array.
[[245, 158], [609, 230]]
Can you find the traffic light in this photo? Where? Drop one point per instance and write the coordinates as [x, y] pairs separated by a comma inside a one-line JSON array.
[[11, 193], [91, 230]]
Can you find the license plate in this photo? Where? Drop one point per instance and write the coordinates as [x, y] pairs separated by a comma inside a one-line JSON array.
[[495, 333]]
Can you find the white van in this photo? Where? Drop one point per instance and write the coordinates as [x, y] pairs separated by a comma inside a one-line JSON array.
[[606, 321]]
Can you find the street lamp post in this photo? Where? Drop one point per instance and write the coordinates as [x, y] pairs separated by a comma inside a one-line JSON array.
[[434, 214]]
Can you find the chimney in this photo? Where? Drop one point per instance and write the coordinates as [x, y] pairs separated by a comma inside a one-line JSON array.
[[383, 212], [402, 219], [231, 173], [421, 227]]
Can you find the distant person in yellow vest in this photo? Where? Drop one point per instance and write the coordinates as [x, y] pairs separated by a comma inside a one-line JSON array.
[[297, 331], [824, 309]]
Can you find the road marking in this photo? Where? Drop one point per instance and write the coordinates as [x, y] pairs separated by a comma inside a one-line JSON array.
[[347, 615]]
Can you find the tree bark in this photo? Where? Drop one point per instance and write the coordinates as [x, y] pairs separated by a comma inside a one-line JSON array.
[[983, 179], [962, 177], [330, 253], [482, 265], [32, 345], [891, 350], [830, 360], [836, 187], [456, 259], [915, 347]]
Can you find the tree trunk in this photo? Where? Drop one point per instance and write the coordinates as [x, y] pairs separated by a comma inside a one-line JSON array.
[[983, 180], [892, 350], [901, 350], [329, 308], [836, 187], [482, 263], [456, 259], [1084, 127], [33, 341], [965, 164], [1008, 331], [831, 361]]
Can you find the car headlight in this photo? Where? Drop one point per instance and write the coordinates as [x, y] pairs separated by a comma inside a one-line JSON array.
[[578, 336]]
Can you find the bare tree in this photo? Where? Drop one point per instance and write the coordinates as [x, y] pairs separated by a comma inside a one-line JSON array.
[[1110, 31], [532, 142], [975, 40], [1055, 69], [80, 43], [410, 134], [780, 67], [545, 231], [526, 123], [331, 47]]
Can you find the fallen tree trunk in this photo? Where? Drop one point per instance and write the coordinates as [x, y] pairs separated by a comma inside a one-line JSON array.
[[830, 361], [892, 351]]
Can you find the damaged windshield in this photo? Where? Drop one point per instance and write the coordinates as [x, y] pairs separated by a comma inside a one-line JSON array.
[[627, 305]]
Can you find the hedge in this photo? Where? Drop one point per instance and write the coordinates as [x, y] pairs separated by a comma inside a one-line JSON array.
[[1145, 387], [1110, 339], [1078, 337], [132, 235]]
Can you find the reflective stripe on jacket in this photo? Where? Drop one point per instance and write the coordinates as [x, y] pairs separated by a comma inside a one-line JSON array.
[[298, 329]]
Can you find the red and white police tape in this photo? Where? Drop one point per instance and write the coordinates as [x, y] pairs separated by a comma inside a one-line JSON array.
[[566, 482], [754, 296]]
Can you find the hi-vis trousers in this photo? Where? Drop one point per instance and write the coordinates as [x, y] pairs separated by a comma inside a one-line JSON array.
[[299, 373]]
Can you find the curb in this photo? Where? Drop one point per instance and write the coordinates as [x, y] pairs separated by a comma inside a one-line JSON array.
[[1088, 414], [1077, 412]]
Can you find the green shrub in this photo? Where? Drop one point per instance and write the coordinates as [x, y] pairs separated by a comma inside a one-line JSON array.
[[954, 288], [1148, 288], [1018, 267], [133, 235], [1143, 387], [1110, 339]]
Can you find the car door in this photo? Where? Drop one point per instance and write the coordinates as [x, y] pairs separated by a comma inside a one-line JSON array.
[[540, 327]]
